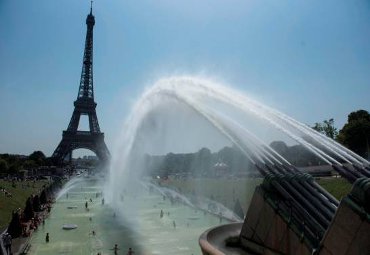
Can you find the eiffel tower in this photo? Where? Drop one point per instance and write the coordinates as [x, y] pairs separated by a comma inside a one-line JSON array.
[[84, 105]]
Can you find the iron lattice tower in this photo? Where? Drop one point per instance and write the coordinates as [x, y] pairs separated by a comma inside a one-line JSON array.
[[84, 105]]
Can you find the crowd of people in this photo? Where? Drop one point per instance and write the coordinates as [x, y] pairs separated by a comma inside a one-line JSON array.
[[25, 221]]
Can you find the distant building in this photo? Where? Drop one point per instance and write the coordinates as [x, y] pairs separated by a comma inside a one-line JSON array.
[[221, 169], [91, 157]]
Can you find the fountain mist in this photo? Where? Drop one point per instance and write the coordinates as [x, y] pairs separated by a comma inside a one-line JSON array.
[[216, 104]]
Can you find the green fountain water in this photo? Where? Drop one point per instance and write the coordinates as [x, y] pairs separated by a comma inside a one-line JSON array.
[[139, 227]]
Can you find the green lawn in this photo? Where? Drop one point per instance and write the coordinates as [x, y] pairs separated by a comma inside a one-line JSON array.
[[18, 199], [338, 187], [227, 191]]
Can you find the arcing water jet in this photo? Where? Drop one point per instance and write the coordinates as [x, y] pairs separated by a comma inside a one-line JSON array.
[[204, 98]]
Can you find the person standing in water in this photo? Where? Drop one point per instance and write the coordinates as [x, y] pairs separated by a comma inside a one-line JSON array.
[[86, 205], [115, 249], [130, 251], [47, 237], [174, 224]]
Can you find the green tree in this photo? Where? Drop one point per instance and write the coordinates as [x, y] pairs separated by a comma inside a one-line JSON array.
[[28, 210], [15, 167], [327, 128], [29, 164], [4, 167], [15, 227], [36, 203], [43, 197], [355, 134], [38, 157]]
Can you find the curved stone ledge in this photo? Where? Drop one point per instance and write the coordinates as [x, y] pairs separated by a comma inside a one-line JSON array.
[[212, 241]]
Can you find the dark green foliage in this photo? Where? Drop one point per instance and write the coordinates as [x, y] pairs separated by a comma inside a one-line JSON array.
[[355, 134], [200, 163], [29, 164], [36, 204], [234, 158], [15, 227], [327, 128], [43, 197], [4, 167], [38, 157], [28, 211], [15, 163], [298, 155]]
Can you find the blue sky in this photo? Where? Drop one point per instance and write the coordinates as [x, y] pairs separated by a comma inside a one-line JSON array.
[[309, 59]]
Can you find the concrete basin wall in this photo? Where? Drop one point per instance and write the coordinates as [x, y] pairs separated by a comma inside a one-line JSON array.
[[212, 242], [266, 232]]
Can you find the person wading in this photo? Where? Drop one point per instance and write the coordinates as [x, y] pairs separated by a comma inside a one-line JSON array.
[[115, 249], [130, 251]]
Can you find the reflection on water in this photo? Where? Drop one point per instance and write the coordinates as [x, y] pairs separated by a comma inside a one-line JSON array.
[[139, 225]]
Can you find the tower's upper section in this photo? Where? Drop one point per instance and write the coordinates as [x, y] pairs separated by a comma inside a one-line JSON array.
[[90, 20], [86, 89]]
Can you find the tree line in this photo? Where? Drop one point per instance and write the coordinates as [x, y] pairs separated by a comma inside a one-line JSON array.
[[354, 135], [12, 164], [201, 163]]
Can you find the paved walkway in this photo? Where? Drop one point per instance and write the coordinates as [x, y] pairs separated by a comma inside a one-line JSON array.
[[20, 245]]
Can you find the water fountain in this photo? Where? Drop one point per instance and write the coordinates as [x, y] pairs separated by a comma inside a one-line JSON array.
[[313, 207], [205, 98], [100, 227], [131, 215]]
